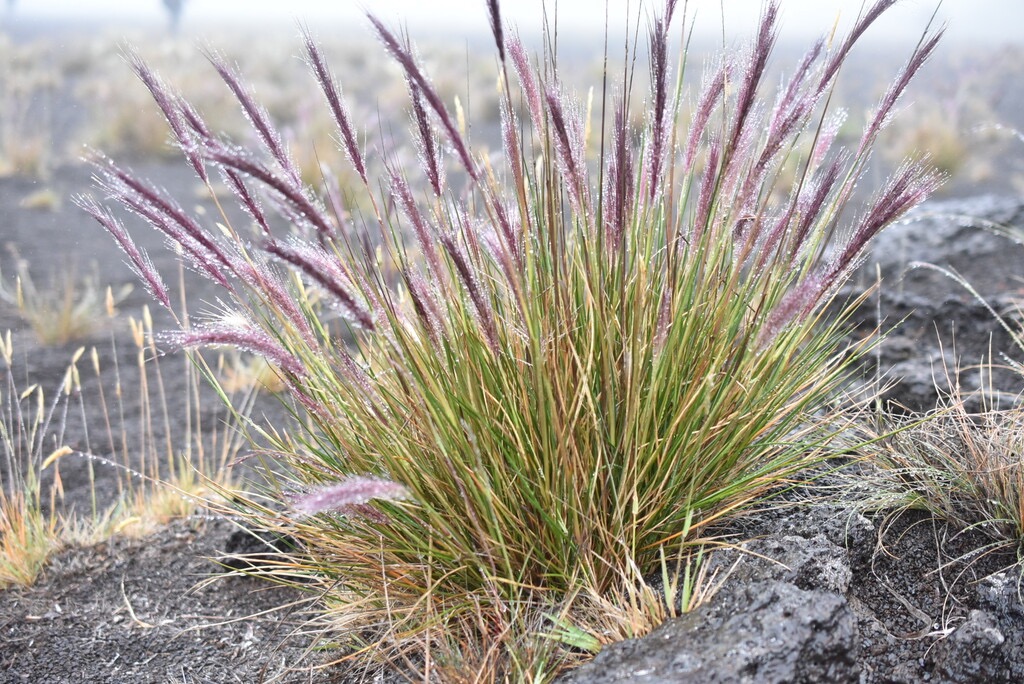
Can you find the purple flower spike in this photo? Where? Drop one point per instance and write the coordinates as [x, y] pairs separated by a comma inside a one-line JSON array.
[[859, 28], [908, 187], [619, 179], [429, 150], [494, 15], [713, 88], [425, 232], [351, 491], [341, 118], [168, 217], [323, 268], [240, 333], [238, 160], [707, 185], [892, 96], [751, 78], [569, 146], [659, 78], [527, 81], [257, 116], [413, 72], [166, 101], [139, 261]]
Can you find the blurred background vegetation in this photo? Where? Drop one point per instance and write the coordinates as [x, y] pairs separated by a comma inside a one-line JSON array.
[[64, 85]]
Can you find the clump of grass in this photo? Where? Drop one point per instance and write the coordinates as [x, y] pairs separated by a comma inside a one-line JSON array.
[[561, 371], [962, 467], [69, 309], [166, 472], [245, 372], [28, 82], [30, 531], [46, 199], [935, 134], [28, 537]]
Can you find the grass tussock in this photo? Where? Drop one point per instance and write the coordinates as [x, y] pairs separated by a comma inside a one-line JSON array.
[[30, 531], [530, 377], [28, 86], [237, 373], [67, 309], [28, 537], [963, 466]]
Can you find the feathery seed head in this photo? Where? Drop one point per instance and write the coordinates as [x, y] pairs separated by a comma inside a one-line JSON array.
[[350, 492]]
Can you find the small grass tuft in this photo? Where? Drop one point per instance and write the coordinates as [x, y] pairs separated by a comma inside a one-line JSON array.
[[244, 372], [69, 309], [158, 474], [964, 467], [28, 537], [30, 527], [46, 199]]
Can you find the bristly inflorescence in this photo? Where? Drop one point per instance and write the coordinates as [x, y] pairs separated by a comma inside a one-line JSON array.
[[241, 333], [341, 116], [415, 74], [139, 261], [348, 494], [258, 118]]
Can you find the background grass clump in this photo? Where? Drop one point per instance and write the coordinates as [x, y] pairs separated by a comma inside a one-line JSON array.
[[169, 472], [68, 309], [962, 465], [530, 378]]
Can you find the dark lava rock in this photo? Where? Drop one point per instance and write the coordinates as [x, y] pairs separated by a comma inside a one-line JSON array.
[[938, 330], [1000, 594], [779, 616], [815, 599], [954, 232], [975, 652], [842, 526], [765, 633], [809, 564], [989, 646]]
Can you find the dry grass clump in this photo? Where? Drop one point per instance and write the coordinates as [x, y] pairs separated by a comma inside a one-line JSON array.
[[238, 372], [561, 369], [68, 309], [28, 532], [27, 535], [29, 80], [965, 468], [158, 476], [935, 133], [46, 199]]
